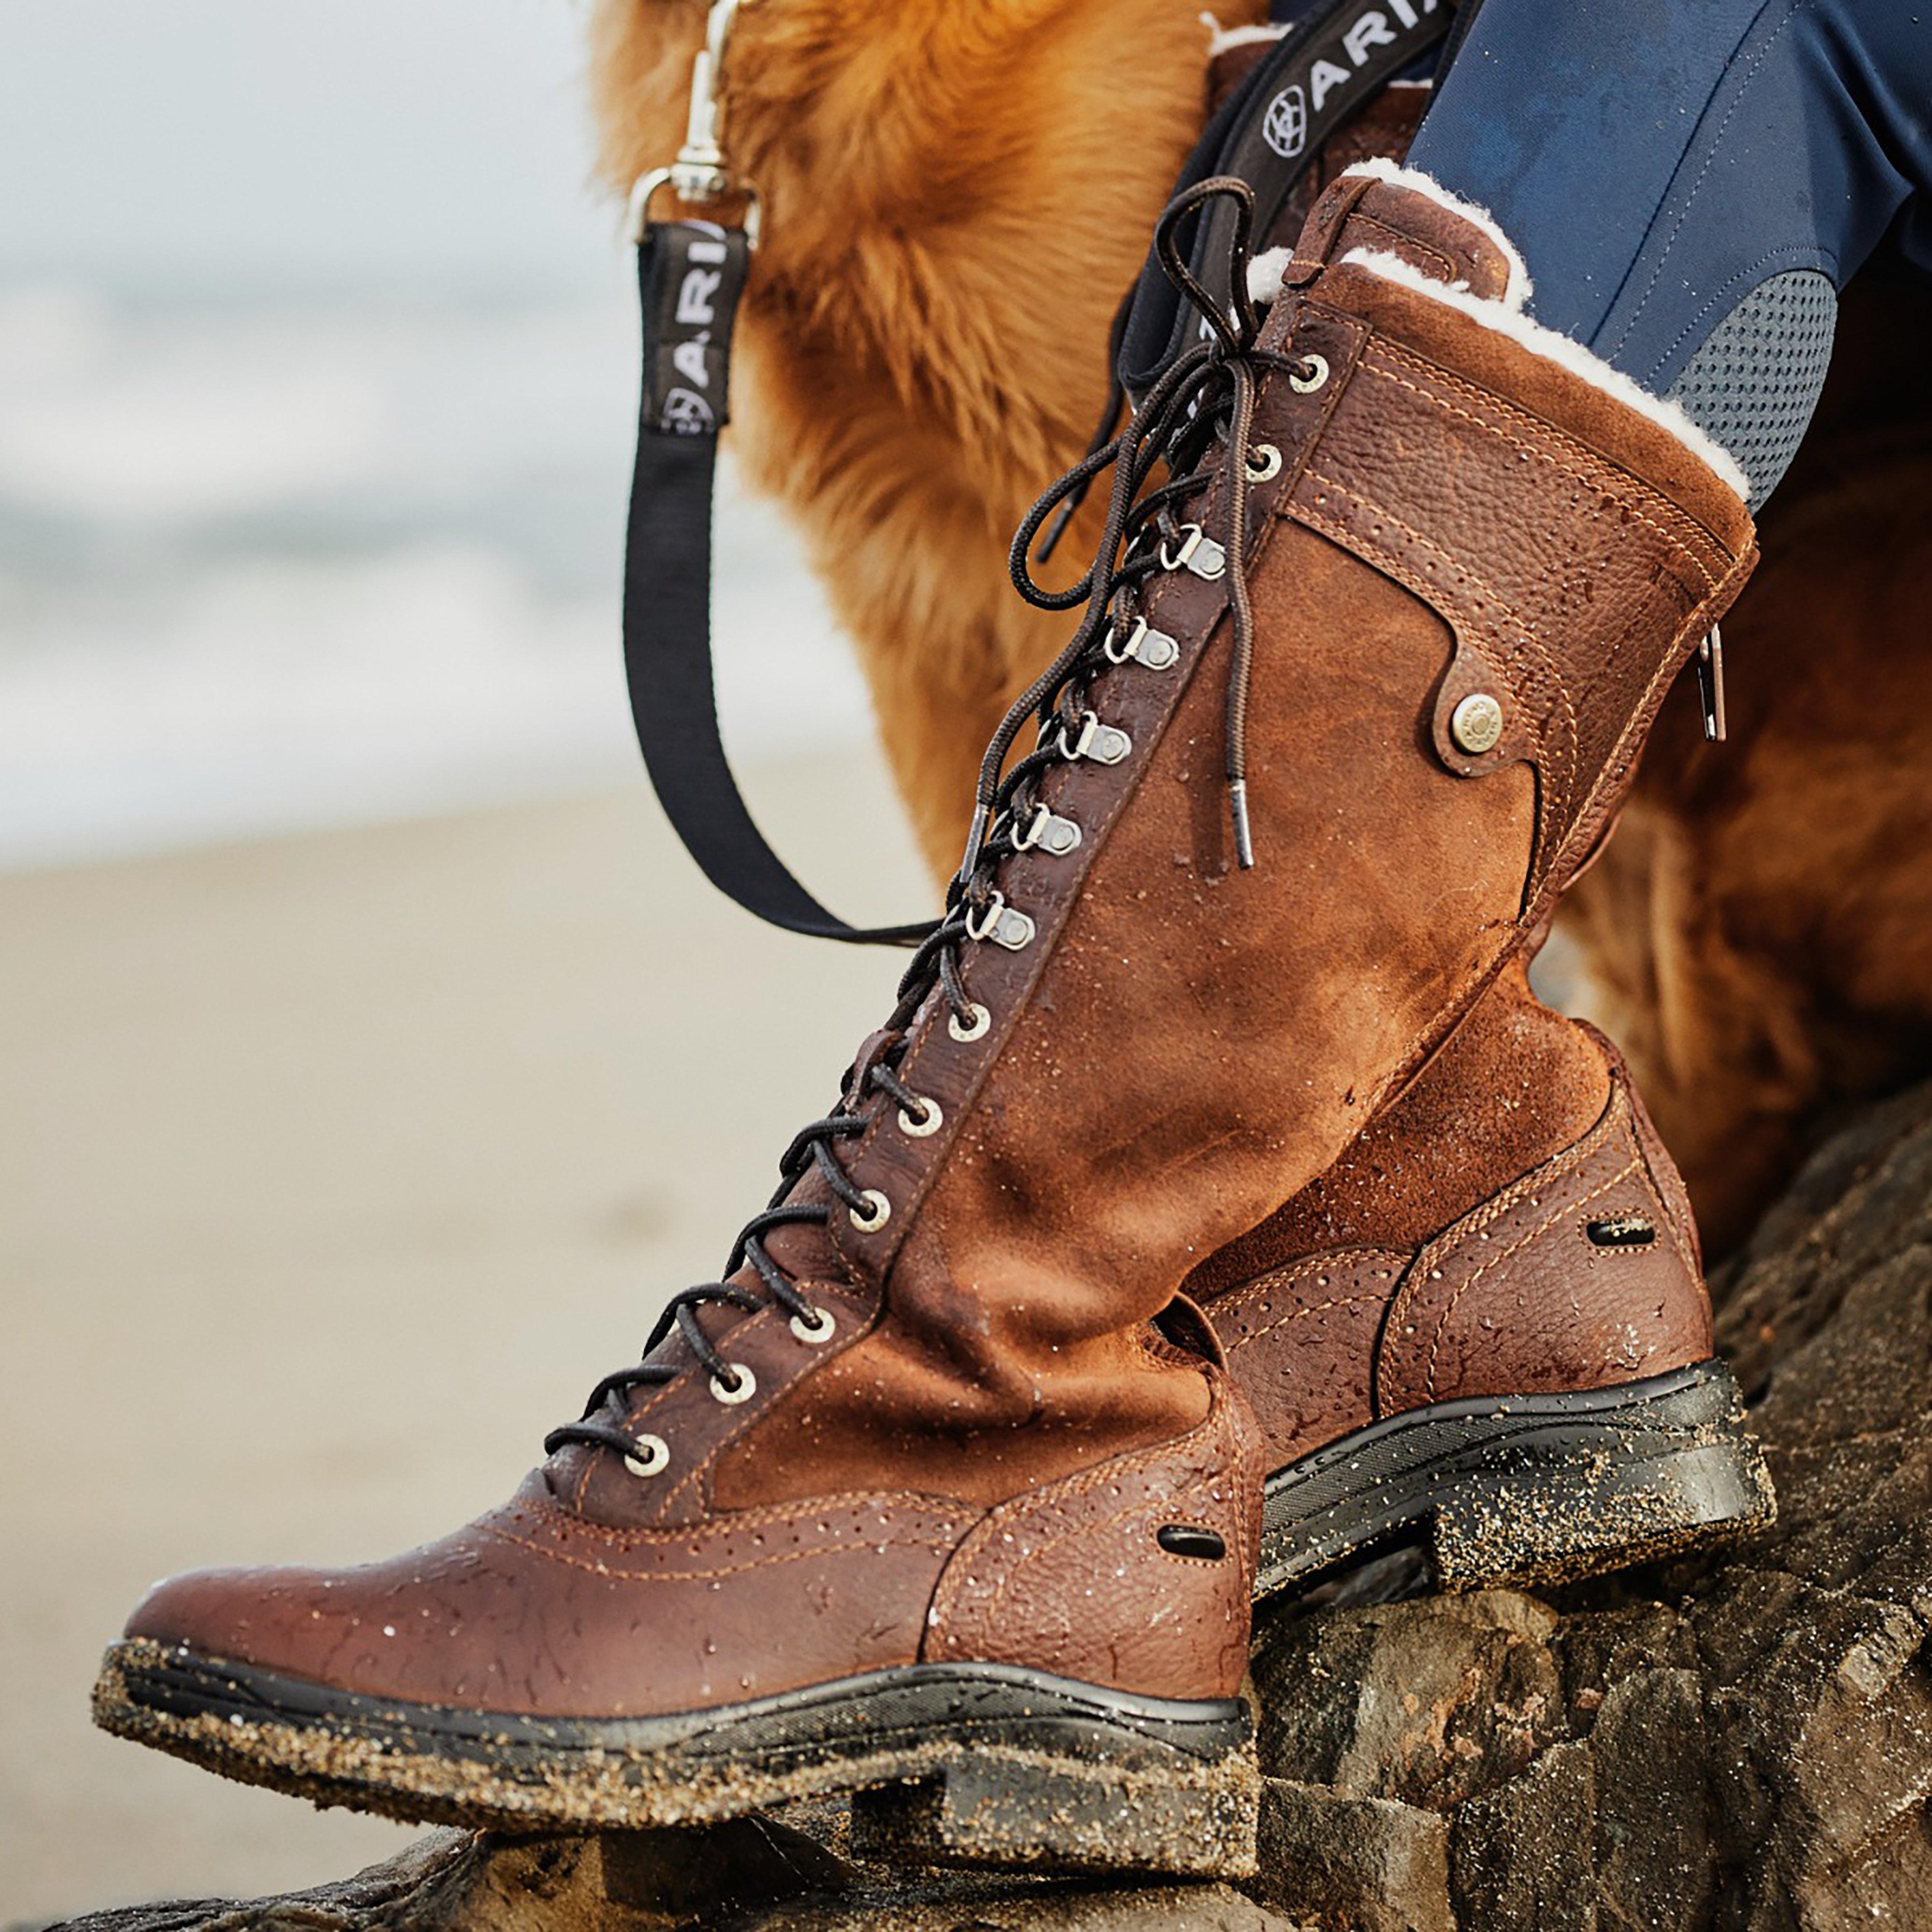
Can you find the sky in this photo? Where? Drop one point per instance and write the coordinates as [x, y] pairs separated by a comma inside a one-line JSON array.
[[243, 145]]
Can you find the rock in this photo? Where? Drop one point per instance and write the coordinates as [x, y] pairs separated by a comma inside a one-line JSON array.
[[780, 1880], [1361, 1864], [1518, 1864], [479, 1881], [1742, 1745]]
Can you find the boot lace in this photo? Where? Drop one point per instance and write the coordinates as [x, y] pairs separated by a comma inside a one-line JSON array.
[[1206, 395]]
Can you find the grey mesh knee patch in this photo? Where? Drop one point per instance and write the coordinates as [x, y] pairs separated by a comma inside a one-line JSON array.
[[1756, 380]]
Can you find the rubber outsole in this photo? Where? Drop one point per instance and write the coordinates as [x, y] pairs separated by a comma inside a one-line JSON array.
[[971, 1764], [1509, 1490]]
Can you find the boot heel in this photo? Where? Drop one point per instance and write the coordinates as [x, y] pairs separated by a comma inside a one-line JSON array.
[[1525, 1488], [1002, 1806], [1551, 1505]]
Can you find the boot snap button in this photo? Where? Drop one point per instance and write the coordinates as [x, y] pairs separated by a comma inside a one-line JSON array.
[[1477, 723]]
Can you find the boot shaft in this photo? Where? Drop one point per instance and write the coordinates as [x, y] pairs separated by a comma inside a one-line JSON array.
[[1443, 523]]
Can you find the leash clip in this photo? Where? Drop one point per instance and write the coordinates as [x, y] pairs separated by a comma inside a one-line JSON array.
[[700, 175]]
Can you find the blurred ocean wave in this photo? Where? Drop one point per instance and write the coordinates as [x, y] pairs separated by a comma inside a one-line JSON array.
[[279, 565], [314, 432]]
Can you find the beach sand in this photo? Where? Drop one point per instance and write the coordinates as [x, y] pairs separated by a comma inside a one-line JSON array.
[[335, 1169]]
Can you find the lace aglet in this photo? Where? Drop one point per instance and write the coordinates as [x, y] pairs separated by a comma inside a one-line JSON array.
[[1238, 808], [976, 839]]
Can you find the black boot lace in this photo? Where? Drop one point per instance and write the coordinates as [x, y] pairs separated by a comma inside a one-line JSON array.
[[1206, 396]]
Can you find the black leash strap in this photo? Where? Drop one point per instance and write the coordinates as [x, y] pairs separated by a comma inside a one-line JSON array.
[[690, 276]]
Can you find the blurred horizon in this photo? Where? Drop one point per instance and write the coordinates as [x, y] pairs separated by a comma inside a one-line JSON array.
[[316, 386]]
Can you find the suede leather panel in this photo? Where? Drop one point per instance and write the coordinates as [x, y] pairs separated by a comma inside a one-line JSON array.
[[1007, 1342], [1513, 1086], [1044, 1574], [1077, 1179]]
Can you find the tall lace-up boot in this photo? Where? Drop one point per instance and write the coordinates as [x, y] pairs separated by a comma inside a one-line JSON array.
[[917, 1498]]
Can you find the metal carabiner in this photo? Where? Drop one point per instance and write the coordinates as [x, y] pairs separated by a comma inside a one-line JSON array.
[[700, 174]]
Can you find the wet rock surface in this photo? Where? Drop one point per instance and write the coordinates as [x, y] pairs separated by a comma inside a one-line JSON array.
[[1741, 1745]]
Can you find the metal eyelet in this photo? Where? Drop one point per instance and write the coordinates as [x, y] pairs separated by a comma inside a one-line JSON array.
[[1263, 462], [1198, 552], [818, 1327], [1004, 924], [881, 1213], [653, 1458], [742, 1387], [1049, 832], [1105, 744], [1315, 373], [976, 1028], [1154, 649], [928, 1121]]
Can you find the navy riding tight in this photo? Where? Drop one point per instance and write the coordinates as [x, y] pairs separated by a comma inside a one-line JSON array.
[[1691, 181]]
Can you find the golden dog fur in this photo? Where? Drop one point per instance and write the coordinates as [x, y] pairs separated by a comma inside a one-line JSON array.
[[955, 194]]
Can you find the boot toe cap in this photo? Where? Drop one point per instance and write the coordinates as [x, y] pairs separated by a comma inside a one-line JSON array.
[[243, 1616]]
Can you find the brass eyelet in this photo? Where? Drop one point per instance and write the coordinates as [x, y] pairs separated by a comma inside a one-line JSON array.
[[817, 1327], [1264, 463], [881, 1213], [1314, 373], [975, 1028], [742, 1387], [653, 1458], [928, 1120]]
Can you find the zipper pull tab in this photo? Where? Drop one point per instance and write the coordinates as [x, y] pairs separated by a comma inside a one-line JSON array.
[[1711, 683]]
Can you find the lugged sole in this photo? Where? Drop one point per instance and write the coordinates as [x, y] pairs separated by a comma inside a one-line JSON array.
[[1003, 1766], [1521, 1489]]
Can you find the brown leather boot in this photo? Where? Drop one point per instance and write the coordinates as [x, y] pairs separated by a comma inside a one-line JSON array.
[[917, 1498], [1485, 1329]]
